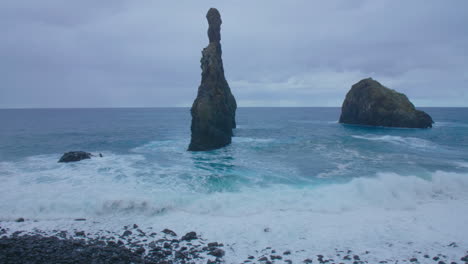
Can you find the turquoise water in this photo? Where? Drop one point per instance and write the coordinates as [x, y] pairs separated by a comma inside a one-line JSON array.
[[147, 168]]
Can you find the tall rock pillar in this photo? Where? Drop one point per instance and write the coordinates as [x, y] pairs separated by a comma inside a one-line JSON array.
[[214, 109]]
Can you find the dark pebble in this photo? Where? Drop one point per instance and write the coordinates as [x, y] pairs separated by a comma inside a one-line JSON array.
[[219, 253], [273, 257], [135, 226], [189, 236], [140, 251], [80, 233], [80, 219], [287, 252], [307, 261], [169, 232], [126, 233], [19, 220], [213, 244], [413, 260]]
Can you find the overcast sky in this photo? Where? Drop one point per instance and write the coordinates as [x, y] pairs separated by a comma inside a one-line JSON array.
[[88, 53]]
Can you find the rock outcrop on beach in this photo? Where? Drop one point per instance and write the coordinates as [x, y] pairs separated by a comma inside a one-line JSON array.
[[214, 109], [73, 156], [370, 103]]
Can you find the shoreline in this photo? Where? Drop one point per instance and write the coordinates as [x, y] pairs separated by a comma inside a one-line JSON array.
[[145, 245]]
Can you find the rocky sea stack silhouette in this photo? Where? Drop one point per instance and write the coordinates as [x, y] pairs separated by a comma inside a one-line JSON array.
[[214, 109], [370, 103], [74, 156]]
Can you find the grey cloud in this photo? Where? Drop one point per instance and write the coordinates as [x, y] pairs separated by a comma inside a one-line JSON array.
[[308, 53]]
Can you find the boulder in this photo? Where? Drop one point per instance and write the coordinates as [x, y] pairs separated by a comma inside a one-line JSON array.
[[73, 156], [213, 111], [370, 103]]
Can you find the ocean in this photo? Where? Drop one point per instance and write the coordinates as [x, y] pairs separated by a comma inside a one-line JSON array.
[[292, 179]]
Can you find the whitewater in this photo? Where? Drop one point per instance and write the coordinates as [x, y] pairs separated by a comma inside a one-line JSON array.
[[293, 179]]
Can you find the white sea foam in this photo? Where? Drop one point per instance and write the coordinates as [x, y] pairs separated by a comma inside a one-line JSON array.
[[449, 124], [408, 141], [461, 164], [251, 140], [365, 213], [339, 170]]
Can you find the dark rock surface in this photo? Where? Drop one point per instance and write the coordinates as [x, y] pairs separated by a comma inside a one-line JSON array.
[[76, 247], [213, 111], [39, 249], [370, 103], [109, 247], [73, 156]]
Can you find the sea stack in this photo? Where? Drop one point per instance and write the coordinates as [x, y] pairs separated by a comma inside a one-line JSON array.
[[74, 156], [214, 109], [370, 103]]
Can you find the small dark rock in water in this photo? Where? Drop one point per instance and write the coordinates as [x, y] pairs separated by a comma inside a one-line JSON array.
[[273, 257], [213, 111], [413, 260], [169, 232], [287, 252], [251, 257], [441, 262], [370, 103], [435, 258], [135, 226], [127, 233], [356, 257], [219, 253], [263, 259], [426, 256], [189, 236], [19, 220], [307, 261], [73, 156], [465, 258], [80, 219], [267, 230]]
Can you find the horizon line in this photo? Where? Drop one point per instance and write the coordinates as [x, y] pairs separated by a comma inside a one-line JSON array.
[[149, 107]]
